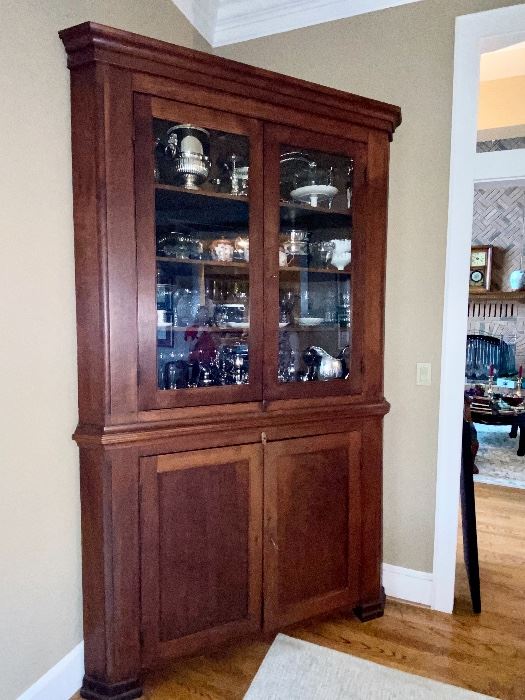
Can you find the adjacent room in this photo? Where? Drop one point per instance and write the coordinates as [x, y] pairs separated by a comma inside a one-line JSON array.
[[496, 314]]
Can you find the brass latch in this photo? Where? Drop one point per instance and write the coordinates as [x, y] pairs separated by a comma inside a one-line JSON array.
[[263, 438]]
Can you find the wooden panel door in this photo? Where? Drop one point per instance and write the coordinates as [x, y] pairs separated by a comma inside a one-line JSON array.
[[311, 510], [201, 562]]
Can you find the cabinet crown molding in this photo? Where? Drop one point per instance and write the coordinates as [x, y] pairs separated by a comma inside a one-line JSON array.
[[89, 43]]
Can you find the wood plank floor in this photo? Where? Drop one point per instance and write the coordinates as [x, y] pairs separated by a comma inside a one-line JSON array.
[[483, 652]]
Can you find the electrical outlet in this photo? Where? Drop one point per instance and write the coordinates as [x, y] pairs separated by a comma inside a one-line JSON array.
[[424, 374]]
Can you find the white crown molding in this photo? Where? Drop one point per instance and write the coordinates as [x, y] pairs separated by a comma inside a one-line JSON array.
[[240, 20], [202, 14], [223, 22], [500, 168]]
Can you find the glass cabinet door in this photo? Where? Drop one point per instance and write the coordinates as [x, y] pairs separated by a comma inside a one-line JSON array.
[[310, 242], [199, 191]]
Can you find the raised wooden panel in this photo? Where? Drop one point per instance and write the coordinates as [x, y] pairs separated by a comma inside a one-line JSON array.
[[308, 571], [311, 509], [203, 557], [201, 520]]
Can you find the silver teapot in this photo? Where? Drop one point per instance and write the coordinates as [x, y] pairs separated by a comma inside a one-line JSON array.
[[321, 365], [189, 148]]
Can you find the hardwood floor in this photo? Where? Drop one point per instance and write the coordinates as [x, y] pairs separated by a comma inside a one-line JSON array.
[[483, 652]]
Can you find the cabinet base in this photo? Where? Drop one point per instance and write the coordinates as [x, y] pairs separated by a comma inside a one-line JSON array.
[[97, 690], [372, 610]]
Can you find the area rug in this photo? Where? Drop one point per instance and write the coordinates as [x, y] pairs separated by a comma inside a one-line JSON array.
[[297, 670], [497, 460]]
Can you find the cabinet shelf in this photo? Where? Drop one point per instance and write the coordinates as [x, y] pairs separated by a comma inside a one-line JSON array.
[[204, 263], [316, 210], [237, 265], [321, 328], [316, 270], [202, 193], [202, 329]]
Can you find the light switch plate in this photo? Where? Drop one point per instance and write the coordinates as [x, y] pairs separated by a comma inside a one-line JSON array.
[[424, 374]]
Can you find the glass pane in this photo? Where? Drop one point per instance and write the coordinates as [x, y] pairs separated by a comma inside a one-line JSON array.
[[315, 279], [202, 239]]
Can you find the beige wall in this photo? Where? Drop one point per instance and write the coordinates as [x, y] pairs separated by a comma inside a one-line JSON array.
[[40, 595], [402, 55], [501, 103]]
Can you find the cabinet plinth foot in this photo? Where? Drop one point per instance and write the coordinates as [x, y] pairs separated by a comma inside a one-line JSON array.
[[372, 609], [98, 690]]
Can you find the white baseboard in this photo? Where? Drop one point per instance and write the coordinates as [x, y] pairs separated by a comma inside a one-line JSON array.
[[60, 682], [65, 678], [408, 584]]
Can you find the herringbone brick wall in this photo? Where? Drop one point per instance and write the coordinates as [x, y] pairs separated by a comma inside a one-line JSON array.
[[500, 145], [498, 220]]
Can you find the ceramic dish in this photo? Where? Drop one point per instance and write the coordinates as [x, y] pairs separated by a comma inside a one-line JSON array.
[[238, 324], [283, 325], [309, 321], [313, 194]]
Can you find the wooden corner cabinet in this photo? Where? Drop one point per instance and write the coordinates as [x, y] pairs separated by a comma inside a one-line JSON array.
[[230, 243]]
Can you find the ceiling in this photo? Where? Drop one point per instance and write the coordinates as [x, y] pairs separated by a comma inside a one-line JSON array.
[[505, 63], [223, 22]]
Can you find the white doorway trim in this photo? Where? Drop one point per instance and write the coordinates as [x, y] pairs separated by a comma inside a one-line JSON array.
[[494, 168], [477, 33]]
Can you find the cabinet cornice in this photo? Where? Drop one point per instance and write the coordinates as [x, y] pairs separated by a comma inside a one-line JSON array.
[[91, 42]]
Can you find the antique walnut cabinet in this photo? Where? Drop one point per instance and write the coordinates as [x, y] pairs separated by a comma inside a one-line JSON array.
[[230, 242]]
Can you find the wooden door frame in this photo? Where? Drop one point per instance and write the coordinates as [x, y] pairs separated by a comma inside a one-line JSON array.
[[475, 34]]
